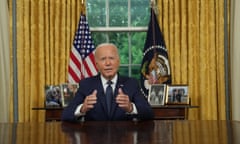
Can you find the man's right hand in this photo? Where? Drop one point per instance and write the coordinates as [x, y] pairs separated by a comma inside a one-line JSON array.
[[89, 102]]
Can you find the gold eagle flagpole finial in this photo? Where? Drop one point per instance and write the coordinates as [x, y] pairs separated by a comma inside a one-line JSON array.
[[83, 9], [153, 5]]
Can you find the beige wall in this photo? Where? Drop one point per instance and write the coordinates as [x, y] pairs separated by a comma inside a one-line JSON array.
[[4, 62], [235, 58]]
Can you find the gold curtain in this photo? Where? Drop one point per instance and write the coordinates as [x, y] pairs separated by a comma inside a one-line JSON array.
[[45, 30], [193, 31], [194, 35]]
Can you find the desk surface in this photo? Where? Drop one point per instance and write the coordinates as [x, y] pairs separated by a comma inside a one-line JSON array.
[[158, 106], [145, 132]]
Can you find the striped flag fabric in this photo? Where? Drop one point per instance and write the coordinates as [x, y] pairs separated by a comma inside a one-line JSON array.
[[82, 63], [155, 67]]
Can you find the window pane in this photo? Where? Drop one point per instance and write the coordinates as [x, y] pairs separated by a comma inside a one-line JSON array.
[[123, 70], [99, 37], [137, 45], [96, 13], [118, 13], [139, 12], [120, 39], [135, 72]]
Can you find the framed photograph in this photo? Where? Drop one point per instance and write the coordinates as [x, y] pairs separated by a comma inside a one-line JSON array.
[[156, 94], [53, 96], [177, 94], [68, 91]]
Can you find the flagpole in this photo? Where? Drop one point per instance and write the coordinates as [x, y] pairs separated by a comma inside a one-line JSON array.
[[83, 71], [153, 6], [82, 7], [82, 40]]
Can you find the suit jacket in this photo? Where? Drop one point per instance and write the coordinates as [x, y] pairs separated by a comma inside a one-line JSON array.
[[130, 86]]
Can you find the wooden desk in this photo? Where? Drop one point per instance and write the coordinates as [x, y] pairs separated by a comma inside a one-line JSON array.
[[122, 132], [172, 112], [51, 114], [166, 112]]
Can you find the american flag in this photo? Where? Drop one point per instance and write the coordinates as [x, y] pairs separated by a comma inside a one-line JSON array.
[[82, 63]]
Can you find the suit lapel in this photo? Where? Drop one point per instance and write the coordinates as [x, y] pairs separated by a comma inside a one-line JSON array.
[[114, 104], [101, 95], [119, 84]]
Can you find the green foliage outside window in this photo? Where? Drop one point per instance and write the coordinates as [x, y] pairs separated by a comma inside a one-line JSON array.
[[124, 15]]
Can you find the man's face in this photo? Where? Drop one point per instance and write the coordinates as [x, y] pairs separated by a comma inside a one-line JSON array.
[[107, 61]]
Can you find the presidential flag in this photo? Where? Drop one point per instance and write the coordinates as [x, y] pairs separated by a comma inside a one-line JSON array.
[[155, 67], [82, 63]]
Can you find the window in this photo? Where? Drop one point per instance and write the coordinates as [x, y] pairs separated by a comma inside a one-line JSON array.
[[124, 23]]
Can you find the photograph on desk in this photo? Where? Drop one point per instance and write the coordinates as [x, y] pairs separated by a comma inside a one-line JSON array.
[[53, 96], [157, 93], [177, 94], [68, 91]]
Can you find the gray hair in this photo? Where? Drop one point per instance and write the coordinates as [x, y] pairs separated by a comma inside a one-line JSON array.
[[106, 44]]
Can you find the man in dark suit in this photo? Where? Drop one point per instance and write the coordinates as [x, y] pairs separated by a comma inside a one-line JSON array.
[[90, 102]]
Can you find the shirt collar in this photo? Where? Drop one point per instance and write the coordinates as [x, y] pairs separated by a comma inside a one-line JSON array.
[[114, 80]]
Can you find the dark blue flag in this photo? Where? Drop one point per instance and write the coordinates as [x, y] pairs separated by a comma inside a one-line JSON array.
[[155, 67]]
